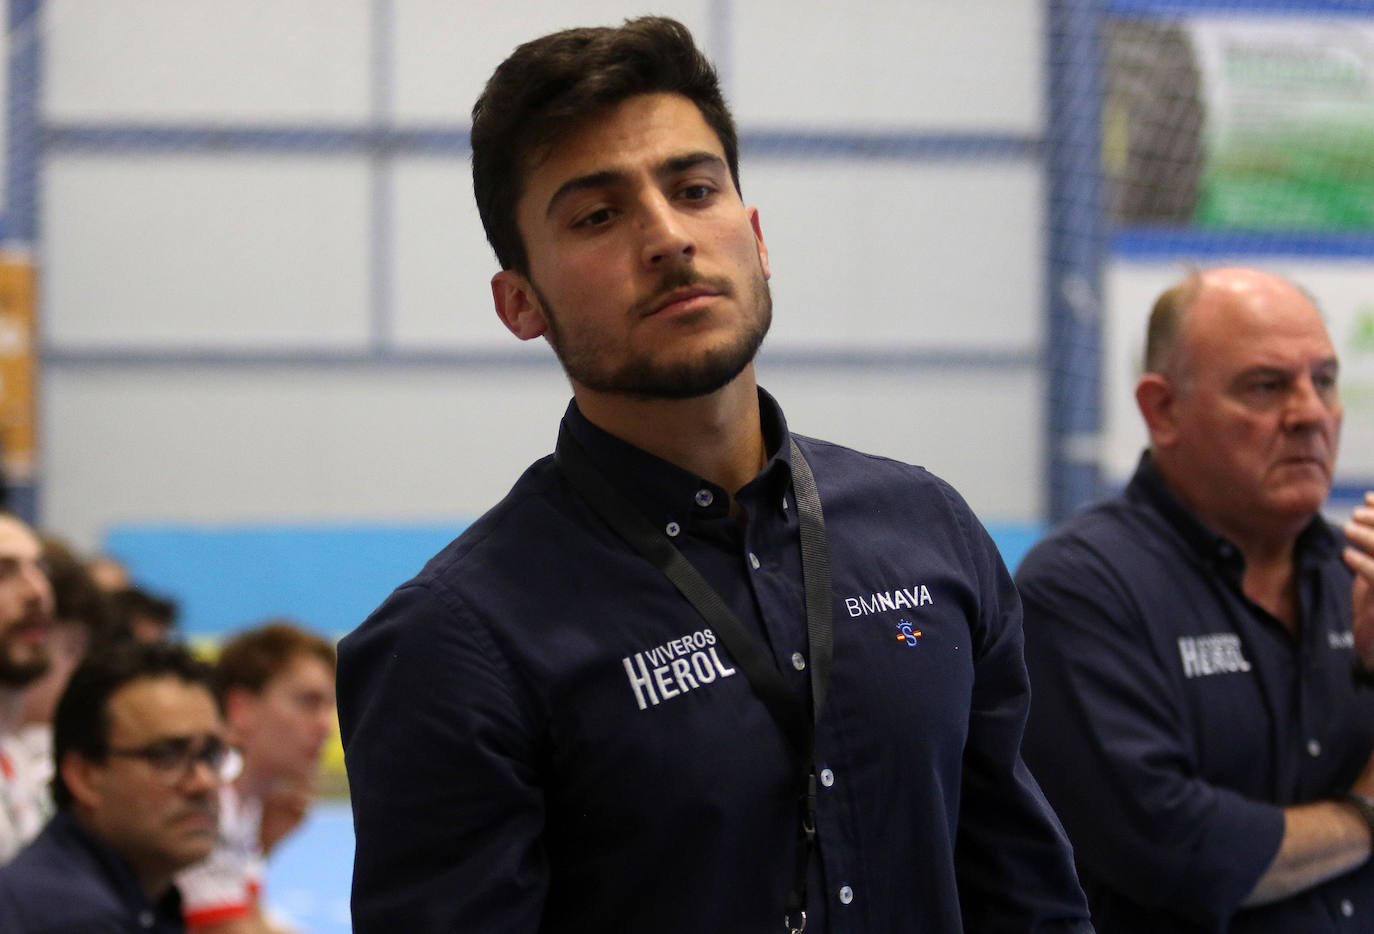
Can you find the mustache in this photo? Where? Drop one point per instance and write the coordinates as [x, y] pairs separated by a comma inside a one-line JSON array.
[[201, 806], [681, 278]]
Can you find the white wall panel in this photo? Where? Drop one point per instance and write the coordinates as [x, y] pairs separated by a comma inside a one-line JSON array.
[[271, 445], [274, 445], [235, 252], [446, 50], [443, 265], [207, 60], [193, 251], [935, 64], [980, 431], [884, 255]]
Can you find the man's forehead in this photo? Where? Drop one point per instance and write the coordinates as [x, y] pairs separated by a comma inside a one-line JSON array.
[[657, 126], [303, 666], [17, 540], [1278, 323], [153, 707]]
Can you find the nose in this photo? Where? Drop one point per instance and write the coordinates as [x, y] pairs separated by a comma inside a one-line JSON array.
[[201, 777], [324, 724], [666, 238], [38, 588], [1309, 405]]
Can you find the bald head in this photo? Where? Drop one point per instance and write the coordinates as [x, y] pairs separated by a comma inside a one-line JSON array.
[[1240, 398], [1210, 297]]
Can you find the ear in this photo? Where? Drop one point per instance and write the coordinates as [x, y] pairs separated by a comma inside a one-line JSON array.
[[763, 247], [1157, 399], [518, 305], [81, 777], [240, 709]]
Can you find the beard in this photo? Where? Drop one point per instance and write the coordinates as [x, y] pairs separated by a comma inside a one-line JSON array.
[[18, 673], [642, 377]]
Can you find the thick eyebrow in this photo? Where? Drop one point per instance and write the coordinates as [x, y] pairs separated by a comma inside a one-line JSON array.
[[609, 177], [1327, 365]]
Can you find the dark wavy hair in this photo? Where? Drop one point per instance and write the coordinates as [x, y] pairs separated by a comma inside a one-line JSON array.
[[550, 86], [82, 720]]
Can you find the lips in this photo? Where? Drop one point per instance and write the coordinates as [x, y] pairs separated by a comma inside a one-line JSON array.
[[35, 627], [682, 290], [683, 299], [1314, 459], [199, 819]]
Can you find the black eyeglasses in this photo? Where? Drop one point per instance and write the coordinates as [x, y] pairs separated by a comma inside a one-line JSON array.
[[173, 759]]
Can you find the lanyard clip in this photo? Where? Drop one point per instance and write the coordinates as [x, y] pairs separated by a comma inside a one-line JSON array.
[[795, 927]]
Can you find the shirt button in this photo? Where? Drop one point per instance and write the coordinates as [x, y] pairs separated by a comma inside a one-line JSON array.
[[798, 661], [672, 528], [705, 498], [1347, 908], [753, 561], [145, 919], [1314, 748], [784, 504], [827, 777], [846, 895]]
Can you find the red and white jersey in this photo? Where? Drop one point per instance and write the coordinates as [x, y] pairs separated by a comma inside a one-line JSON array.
[[228, 882], [25, 803]]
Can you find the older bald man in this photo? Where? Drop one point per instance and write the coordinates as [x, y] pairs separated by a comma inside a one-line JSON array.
[[1198, 644]]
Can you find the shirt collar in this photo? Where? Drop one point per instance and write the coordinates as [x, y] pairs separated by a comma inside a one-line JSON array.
[[663, 491], [120, 875], [1316, 543]]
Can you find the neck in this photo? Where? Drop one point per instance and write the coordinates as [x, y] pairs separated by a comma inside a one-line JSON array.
[[153, 882], [1270, 583], [718, 436], [155, 886], [11, 710], [1266, 541]]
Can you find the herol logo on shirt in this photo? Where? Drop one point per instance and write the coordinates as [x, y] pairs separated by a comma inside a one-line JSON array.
[[674, 668], [1216, 654]]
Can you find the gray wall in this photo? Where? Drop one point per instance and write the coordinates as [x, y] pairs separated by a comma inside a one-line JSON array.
[[280, 332]]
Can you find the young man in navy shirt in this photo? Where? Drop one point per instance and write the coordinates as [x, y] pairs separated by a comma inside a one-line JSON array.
[[814, 723]]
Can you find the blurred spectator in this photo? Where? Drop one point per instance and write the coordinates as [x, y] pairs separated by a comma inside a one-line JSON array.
[[26, 605], [139, 747], [81, 621], [145, 617], [276, 686]]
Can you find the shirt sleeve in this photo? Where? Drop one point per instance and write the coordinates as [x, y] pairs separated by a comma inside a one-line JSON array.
[[1107, 740], [1013, 860], [442, 766]]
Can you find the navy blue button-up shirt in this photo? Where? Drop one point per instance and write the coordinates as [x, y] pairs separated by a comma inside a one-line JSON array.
[[68, 881], [543, 735], [1174, 718]]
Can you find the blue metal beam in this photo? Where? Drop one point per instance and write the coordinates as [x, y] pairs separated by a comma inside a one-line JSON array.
[[324, 140], [1076, 253], [19, 225]]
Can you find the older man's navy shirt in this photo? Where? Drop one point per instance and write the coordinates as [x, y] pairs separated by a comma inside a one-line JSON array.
[[1174, 718], [543, 735]]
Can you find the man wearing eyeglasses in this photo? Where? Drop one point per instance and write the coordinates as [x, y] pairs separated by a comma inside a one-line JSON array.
[[139, 750]]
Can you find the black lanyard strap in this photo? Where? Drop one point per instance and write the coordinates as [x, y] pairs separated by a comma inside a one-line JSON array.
[[816, 578], [748, 651]]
